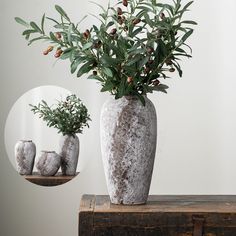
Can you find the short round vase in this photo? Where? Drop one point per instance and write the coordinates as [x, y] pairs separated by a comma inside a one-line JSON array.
[[25, 151], [49, 163], [128, 144], [69, 152]]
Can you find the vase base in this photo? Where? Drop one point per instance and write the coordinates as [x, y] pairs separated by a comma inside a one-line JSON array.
[[129, 203]]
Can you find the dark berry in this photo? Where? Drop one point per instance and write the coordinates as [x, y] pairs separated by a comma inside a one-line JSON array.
[[113, 31], [136, 21], [119, 11], [125, 3], [162, 16]]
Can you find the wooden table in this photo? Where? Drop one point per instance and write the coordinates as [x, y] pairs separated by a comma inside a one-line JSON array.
[[161, 216], [58, 179]]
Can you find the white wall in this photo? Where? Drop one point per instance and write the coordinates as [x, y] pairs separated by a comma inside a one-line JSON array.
[[196, 120]]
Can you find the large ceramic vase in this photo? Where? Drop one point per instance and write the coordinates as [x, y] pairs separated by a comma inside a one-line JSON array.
[[128, 144], [25, 151], [69, 152], [49, 163]]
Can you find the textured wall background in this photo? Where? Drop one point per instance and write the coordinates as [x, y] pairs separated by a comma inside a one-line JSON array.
[[196, 120]]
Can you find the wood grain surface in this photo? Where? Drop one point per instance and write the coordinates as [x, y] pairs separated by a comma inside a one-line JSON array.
[[196, 215]]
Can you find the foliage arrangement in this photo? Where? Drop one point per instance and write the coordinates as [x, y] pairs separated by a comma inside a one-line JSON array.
[[69, 116], [137, 44]]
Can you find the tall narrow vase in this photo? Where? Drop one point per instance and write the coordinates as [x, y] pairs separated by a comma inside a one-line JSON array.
[[69, 152], [128, 144], [25, 151]]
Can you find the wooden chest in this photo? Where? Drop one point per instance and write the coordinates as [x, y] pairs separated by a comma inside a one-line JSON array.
[[162, 216]]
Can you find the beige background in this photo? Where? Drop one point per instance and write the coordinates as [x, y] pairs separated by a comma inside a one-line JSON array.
[[197, 129]]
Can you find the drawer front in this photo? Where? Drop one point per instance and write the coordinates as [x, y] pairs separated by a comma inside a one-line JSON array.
[[126, 231]]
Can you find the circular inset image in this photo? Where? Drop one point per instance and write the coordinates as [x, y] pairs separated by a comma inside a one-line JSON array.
[[41, 135]]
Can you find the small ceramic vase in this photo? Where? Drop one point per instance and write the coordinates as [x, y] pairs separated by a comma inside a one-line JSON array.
[[25, 151], [49, 163], [69, 152]]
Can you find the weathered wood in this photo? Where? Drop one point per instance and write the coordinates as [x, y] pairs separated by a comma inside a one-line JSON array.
[[86, 215], [161, 216], [198, 225], [58, 179]]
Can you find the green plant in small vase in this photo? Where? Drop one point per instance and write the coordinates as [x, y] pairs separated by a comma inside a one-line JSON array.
[[69, 116], [134, 48]]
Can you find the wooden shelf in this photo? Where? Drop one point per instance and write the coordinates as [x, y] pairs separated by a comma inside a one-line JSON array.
[[162, 215], [58, 179]]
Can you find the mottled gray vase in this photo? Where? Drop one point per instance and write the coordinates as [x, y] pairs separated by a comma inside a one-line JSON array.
[[128, 144], [69, 152], [49, 163], [25, 151]]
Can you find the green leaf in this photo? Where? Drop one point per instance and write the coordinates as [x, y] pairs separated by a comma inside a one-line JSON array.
[[21, 21], [69, 34], [29, 31], [109, 61], [100, 6], [143, 61], [107, 71], [148, 20], [75, 64], [134, 60], [35, 27], [137, 31], [147, 9], [162, 49], [62, 12], [51, 19], [187, 6], [180, 50], [82, 19], [161, 88], [42, 23], [177, 66], [182, 54], [166, 6], [84, 69], [66, 54], [87, 46], [140, 97], [121, 89], [187, 35], [36, 39], [140, 14], [95, 77], [109, 24], [189, 22], [108, 86], [53, 38]]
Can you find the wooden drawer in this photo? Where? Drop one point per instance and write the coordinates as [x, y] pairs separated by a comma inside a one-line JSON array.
[[161, 216]]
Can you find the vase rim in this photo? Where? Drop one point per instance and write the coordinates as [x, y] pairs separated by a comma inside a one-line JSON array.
[[26, 141], [133, 96]]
